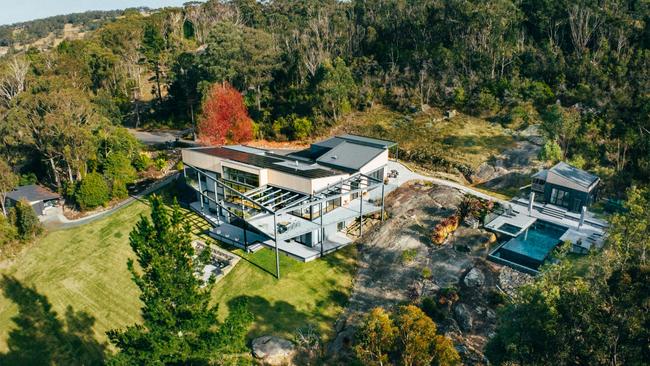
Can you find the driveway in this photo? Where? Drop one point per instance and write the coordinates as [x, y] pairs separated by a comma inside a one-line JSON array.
[[160, 137], [405, 174], [53, 218]]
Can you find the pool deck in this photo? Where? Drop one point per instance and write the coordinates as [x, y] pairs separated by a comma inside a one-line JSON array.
[[592, 230]]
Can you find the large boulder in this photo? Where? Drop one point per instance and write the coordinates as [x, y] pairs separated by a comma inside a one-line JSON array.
[[272, 350], [463, 316], [474, 278]]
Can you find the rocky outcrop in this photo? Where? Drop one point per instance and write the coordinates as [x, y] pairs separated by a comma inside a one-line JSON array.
[[272, 350], [463, 316], [474, 278], [510, 280]]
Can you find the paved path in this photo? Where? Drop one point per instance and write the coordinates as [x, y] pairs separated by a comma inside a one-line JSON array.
[[54, 218], [406, 174], [160, 137]]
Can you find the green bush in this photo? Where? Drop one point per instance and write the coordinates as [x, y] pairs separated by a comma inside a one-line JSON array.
[[180, 166], [24, 219], [118, 167], [8, 232], [426, 273], [486, 102], [160, 163], [408, 255], [142, 162], [118, 189], [434, 309], [27, 179], [92, 192], [550, 152]]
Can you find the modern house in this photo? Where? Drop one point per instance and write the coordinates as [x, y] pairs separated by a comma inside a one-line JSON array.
[[38, 197], [305, 203], [565, 186]]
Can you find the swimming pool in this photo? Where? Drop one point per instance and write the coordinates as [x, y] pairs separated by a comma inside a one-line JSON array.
[[530, 249]]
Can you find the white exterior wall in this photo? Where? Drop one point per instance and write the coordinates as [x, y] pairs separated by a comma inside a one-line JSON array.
[[322, 183], [376, 163], [200, 160], [289, 181]]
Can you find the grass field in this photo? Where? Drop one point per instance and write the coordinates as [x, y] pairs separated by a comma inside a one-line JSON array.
[[85, 268], [461, 139]]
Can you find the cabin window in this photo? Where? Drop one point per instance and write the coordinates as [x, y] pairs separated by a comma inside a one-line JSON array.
[[560, 197]]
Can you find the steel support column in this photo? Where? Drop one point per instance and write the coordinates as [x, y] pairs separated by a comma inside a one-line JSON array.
[[277, 251], [321, 231], [382, 203], [360, 214]]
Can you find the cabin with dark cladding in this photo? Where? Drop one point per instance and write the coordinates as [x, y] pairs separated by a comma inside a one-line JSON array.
[[565, 186]]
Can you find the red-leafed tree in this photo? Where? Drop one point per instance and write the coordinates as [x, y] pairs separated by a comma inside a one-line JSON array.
[[225, 117]]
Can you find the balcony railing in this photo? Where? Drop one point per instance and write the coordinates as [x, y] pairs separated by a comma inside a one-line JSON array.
[[537, 187]]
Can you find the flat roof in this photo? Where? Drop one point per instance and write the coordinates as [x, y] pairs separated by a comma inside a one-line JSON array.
[[32, 193], [349, 156], [262, 160], [370, 141]]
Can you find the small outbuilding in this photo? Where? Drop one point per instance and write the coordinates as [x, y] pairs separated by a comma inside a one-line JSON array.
[[38, 197], [566, 186]]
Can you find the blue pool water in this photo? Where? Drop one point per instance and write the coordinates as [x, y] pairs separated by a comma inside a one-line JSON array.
[[531, 249]]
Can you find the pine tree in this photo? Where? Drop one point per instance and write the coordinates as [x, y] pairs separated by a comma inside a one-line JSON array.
[[180, 326]]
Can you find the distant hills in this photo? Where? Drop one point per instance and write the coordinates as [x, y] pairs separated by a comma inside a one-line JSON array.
[[26, 33]]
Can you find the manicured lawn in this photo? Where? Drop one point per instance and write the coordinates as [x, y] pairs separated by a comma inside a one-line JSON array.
[[311, 293], [85, 268]]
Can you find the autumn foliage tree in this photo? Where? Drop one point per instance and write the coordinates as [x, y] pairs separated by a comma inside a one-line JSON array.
[[405, 336], [225, 117]]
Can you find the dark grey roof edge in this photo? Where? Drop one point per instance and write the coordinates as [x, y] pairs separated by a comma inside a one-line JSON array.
[[32, 192]]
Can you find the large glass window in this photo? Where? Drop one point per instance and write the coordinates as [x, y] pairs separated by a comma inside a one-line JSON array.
[[378, 174], [560, 197], [244, 178]]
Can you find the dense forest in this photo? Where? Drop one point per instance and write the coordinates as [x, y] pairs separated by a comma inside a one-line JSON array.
[[579, 70]]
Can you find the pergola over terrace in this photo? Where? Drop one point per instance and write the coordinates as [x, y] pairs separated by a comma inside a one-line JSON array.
[[278, 212]]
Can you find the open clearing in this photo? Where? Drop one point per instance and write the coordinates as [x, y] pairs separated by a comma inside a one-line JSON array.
[[85, 267], [460, 139]]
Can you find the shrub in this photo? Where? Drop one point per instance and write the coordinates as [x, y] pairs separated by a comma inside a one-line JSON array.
[[118, 167], [8, 232], [551, 152], [444, 228], [486, 102], [180, 166], [92, 192], [408, 255], [426, 273], [27, 179], [433, 309], [24, 219], [118, 189], [160, 163], [142, 162], [496, 298]]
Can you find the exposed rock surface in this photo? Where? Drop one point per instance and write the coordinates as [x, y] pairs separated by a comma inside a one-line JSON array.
[[474, 278], [273, 350], [463, 316], [510, 280]]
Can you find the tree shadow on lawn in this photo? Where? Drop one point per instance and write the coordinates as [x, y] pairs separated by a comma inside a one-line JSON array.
[[41, 338], [283, 319]]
